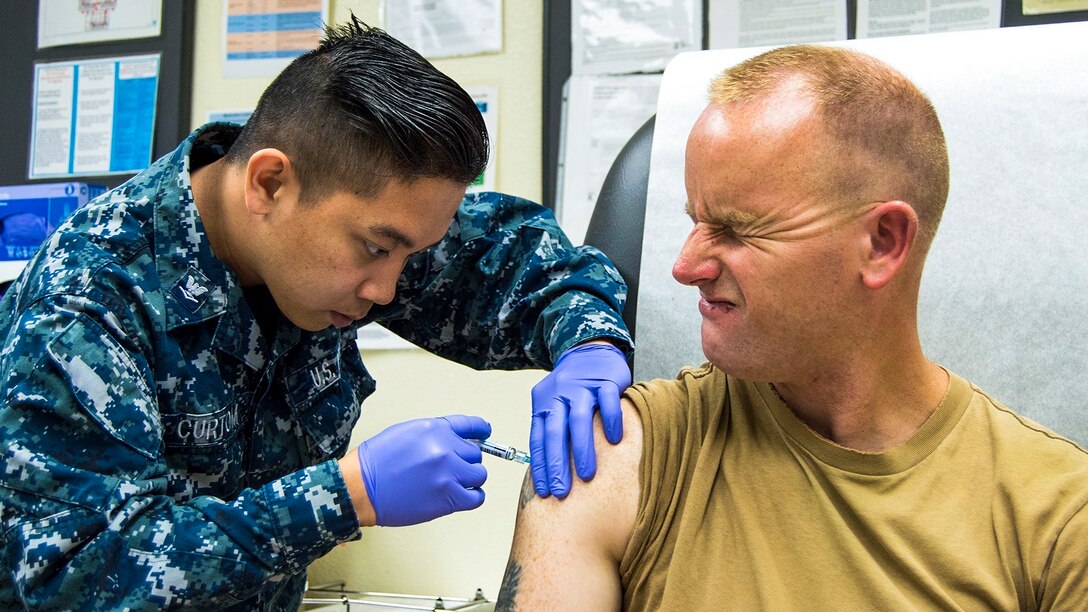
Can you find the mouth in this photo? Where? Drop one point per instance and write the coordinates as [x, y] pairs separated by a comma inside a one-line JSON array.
[[710, 306], [341, 320]]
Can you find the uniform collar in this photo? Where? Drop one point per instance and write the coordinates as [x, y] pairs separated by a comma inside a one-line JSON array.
[[196, 284]]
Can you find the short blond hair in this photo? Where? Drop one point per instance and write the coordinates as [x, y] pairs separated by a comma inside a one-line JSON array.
[[884, 130]]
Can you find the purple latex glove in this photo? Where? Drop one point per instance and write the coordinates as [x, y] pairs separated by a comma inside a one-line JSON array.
[[585, 377], [423, 469]]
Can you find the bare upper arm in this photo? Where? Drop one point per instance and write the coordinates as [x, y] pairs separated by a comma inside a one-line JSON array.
[[566, 553]]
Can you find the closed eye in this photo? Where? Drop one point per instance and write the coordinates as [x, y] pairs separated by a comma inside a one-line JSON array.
[[723, 231], [724, 224], [375, 250]]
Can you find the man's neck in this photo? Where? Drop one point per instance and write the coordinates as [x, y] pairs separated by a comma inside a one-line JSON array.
[[213, 188], [873, 407]]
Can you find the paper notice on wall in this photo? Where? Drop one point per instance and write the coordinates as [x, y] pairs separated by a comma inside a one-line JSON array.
[[601, 113], [93, 117], [877, 18], [260, 37], [240, 116], [443, 28], [625, 36], [73, 22], [487, 101], [1043, 7], [753, 23]]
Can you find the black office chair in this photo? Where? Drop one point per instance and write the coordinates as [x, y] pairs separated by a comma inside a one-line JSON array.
[[620, 213]]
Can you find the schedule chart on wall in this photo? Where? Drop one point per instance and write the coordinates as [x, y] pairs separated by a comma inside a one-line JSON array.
[[260, 38]]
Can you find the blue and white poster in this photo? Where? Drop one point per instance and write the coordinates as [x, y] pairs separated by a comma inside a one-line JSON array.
[[93, 117]]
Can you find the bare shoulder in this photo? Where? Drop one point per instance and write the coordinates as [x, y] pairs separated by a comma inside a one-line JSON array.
[[566, 552], [608, 502]]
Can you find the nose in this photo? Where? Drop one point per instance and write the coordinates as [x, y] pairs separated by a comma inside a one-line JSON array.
[[693, 265], [381, 286]]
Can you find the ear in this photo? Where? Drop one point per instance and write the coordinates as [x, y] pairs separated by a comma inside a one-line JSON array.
[[891, 229], [269, 177]]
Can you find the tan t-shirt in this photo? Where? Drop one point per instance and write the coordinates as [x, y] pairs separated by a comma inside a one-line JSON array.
[[743, 507]]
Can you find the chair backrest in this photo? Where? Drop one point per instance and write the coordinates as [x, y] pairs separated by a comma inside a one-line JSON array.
[[620, 211], [1005, 292]]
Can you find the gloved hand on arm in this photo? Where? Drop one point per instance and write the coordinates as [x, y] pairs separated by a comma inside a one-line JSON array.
[[585, 377], [423, 469]]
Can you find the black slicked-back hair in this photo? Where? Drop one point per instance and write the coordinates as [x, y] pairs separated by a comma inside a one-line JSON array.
[[361, 109]]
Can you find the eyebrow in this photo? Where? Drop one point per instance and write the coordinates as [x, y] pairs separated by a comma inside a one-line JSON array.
[[392, 233], [727, 218]]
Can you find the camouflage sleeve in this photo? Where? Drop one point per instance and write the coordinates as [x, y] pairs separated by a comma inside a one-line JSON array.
[[87, 518], [505, 289]]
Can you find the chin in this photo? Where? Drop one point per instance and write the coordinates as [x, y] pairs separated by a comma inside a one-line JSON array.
[[724, 355], [314, 324], [718, 358], [716, 347]]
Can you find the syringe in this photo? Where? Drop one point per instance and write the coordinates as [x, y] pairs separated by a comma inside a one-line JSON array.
[[503, 452]]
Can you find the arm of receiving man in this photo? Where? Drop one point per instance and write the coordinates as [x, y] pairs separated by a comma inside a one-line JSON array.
[[566, 552]]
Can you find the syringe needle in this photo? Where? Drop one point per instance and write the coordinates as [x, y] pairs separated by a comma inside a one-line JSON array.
[[503, 452]]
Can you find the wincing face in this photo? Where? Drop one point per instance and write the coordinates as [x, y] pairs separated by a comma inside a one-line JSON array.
[[773, 264], [327, 262]]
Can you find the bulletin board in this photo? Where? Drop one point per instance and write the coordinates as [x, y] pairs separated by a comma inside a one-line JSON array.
[[557, 67], [18, 48]]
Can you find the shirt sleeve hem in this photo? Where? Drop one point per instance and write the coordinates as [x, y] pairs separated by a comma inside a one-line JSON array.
[[312, 512]]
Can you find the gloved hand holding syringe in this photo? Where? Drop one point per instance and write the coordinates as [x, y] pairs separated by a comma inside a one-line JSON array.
[[503, 452]]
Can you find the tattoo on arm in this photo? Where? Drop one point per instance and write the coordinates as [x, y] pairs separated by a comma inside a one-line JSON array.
[[511, 580], [527, 490], [508, 592]]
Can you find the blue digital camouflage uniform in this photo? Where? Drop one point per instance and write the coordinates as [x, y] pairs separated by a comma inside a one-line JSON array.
[[160, 451]]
